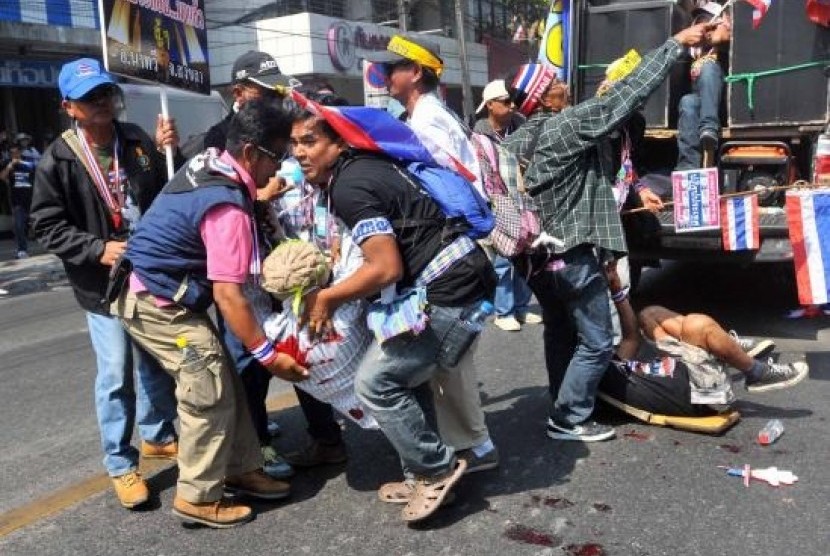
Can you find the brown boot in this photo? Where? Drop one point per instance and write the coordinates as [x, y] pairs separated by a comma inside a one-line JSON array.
[[150, 450], [219, 515], [257, 484], [131, 489]]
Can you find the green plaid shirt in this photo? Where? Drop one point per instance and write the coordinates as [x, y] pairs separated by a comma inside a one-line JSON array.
[[565, 177]]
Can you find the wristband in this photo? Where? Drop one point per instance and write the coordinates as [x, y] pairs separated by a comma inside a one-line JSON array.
[[619, 296], [265, 352]]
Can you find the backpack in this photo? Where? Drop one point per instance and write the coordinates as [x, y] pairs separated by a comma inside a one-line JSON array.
[[455, 196], [517, 222]]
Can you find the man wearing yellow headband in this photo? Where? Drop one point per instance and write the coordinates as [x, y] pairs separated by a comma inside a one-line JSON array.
[[413, 69]]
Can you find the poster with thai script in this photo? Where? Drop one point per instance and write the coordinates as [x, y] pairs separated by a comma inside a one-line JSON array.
[[555, 48], [696, 200], [163, 41]]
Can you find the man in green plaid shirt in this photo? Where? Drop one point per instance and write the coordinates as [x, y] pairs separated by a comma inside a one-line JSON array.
[[576, 204]]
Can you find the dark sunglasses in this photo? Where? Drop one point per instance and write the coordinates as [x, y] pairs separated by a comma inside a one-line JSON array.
[[97, 94], [505, 101], [276, 158], [390, 67]]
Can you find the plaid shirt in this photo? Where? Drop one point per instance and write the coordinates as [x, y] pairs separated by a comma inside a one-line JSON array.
[[566, 178]]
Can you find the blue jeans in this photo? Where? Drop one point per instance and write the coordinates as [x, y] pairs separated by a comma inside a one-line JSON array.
[[699, 111], [120, 401], [393, 384], [578, 333], [512, 292], [21, 227]]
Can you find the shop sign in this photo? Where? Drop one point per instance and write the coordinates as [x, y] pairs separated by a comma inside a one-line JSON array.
[[163, 41], [345, 40], [14, 73]]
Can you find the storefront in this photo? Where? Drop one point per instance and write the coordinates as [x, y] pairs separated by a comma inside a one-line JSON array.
[[314, 47]]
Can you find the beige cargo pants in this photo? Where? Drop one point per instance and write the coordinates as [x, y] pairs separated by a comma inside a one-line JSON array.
[[217, 438]]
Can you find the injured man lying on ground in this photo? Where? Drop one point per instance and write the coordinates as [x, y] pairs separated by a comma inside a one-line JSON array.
[[684, 380]]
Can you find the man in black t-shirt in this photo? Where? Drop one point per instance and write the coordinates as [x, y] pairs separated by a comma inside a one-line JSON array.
[[400, 230], [19, 173]]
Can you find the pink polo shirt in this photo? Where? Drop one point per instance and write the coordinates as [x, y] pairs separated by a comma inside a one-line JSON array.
[[227, 235]]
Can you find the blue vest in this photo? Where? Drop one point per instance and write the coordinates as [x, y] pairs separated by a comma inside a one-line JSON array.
[[166, 250]]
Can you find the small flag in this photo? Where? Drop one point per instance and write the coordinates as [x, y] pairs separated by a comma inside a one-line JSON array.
[[739, 223], [375, 130], [761, 9], [808, 218]]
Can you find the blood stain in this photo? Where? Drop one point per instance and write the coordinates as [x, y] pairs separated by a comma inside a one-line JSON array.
[[526, 535], [676, 442], [590, 549], [730, 448], [638, 436], [557, 503], [602, 507]]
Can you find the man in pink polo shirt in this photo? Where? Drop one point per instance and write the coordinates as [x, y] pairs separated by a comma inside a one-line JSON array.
[[197, 246]]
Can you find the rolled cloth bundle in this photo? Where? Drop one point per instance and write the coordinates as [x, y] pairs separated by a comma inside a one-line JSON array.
[[294, 268]]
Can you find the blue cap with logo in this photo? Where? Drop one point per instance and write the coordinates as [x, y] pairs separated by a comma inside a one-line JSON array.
[[80, 77]]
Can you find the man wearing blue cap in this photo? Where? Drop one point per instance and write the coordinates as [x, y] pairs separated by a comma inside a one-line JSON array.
[[90, 188]]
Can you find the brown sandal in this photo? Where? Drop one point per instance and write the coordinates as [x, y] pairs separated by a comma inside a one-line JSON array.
[[401, 493], [397, 493], [429, 494]]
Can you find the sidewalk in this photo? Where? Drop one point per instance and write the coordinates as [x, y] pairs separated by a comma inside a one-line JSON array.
[[40, 272]]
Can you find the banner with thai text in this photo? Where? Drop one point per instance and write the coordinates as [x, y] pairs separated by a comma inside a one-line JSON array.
[[164, 41], [696, 200]]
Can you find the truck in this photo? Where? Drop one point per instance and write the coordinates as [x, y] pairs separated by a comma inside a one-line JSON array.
[[773, 114]]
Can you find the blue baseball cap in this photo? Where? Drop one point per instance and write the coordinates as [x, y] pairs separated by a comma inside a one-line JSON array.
[[80, 77]]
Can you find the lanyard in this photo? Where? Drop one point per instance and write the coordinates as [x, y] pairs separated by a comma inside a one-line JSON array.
[[114, 201]]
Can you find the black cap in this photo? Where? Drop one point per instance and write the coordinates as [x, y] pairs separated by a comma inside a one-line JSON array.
[[262, 69]]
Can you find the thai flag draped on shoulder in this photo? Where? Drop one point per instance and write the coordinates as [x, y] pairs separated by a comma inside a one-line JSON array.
[[739, 223], [447, 181], [808, 218], [761, 9]]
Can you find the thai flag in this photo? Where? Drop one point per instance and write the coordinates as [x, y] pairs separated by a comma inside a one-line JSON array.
[[739, 223], [808, 217], [761, 9], [375, 130]]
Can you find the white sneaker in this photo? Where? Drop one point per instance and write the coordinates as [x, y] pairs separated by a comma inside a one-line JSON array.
[[528, 318], [752, 347], [508, 324], [22, 255], [779, 375]]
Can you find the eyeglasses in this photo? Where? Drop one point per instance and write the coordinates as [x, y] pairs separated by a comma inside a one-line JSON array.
[[505, 101], [97, 94], [275, 158]]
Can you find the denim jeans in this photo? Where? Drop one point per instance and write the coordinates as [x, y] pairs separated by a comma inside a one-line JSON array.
[[21, 227], [699, 111], [121, 401], [393, 383], [512, 291], [578, 334]]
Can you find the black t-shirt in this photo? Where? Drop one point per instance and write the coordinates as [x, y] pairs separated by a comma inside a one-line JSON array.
[[21, 179], [369, 194]]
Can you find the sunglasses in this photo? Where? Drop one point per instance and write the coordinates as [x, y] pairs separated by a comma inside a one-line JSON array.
[[276, 158], [98, 94], [505, 101], [390, 67]]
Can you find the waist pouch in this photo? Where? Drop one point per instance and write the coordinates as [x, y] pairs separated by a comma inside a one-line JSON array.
[[396, 314]]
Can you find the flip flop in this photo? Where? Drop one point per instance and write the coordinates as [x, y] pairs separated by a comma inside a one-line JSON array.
[[430, 493], [401, 493]]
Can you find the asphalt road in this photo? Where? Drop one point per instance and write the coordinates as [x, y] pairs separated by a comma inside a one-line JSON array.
[[652, 491]]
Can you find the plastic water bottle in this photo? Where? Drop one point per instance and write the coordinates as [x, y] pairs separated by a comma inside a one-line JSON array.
[[771, 432], [476, 320], [821, 161], [189, 353]]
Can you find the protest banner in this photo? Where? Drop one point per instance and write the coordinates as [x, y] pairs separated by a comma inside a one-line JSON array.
[[696, 200], [160, 41]]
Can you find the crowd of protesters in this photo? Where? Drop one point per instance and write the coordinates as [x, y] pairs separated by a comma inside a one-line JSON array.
[[149, 257]]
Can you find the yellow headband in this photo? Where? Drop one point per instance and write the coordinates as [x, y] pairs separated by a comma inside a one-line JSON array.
[[415, 52]]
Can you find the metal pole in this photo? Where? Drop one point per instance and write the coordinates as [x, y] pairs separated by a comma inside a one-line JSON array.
[[402, 13], [466, 87]]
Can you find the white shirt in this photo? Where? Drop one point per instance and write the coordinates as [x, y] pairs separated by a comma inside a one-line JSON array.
[[438, 129]]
